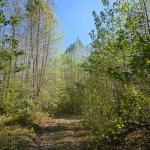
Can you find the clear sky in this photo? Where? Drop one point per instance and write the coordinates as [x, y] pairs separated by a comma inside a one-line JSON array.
[[75, 19]]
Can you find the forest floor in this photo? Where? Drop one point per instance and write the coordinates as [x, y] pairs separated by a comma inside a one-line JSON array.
[[61, 133]]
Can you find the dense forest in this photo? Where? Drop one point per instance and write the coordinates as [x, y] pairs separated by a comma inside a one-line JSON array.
[[88, 97]]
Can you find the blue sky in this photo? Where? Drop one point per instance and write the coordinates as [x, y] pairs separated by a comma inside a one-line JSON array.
[[75, 19]]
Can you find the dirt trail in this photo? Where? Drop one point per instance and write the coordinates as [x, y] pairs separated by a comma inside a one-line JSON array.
[[62, 134]]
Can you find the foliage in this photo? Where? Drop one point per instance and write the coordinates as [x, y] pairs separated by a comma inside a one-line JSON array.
[[15, 138], [71, 100], [110, 87], [21, 114], [116, 91]]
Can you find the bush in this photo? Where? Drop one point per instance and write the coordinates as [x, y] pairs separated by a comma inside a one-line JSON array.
[[25, 113], [15, 138], [71, 100], [113, 132], [27, 119], [14, 106]]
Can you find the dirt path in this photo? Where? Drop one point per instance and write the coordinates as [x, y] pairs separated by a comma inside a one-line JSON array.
[[62, 134]]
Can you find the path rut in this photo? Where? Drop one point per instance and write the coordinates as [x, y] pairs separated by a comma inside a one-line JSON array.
[[62, 133]]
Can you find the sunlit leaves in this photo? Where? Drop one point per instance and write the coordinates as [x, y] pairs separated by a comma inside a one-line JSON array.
[[119, 72], [2, 3], [15, 20]]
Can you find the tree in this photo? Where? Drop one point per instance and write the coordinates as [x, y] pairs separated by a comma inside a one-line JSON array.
[[41, 24], [116, 91]]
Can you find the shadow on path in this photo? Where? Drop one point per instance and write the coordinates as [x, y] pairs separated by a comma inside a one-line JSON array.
[[61, 133]]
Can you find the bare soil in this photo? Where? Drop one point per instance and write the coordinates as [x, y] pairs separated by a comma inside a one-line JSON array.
[[61, 133]]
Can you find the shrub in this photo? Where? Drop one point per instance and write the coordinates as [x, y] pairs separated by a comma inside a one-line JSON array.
[[15, 138], [27, 119], [25, 113]]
